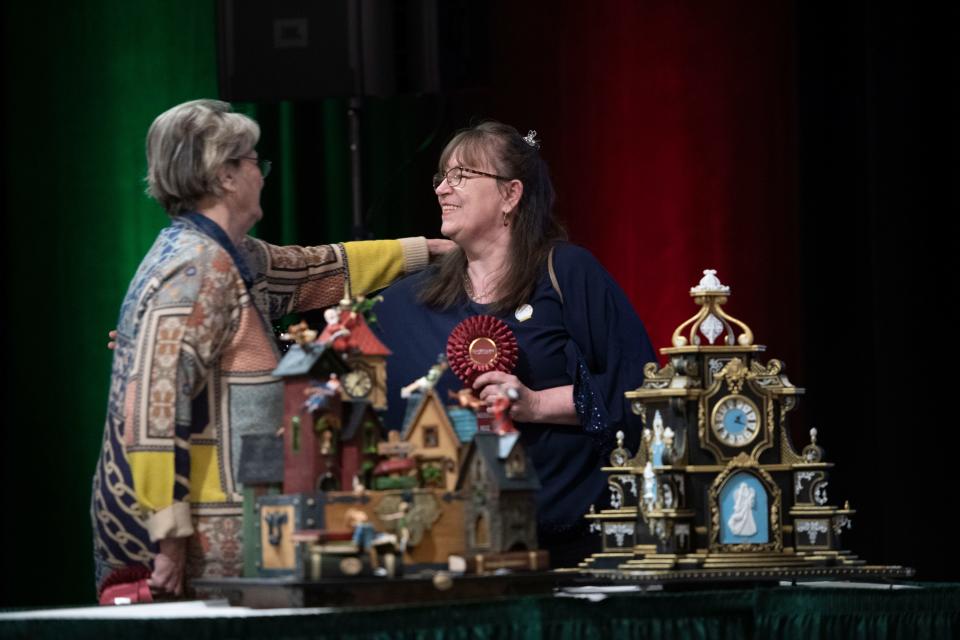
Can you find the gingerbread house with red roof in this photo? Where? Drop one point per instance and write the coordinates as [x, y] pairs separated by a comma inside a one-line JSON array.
[[347, 332]]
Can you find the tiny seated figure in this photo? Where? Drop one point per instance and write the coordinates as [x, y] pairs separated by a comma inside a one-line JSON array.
[[363, 532], [400, 517], [319, 394]]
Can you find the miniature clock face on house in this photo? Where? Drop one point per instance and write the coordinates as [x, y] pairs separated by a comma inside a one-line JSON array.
[[735, 420], [358, 383]]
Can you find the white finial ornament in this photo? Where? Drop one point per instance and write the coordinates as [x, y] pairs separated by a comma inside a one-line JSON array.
[[710, 283]]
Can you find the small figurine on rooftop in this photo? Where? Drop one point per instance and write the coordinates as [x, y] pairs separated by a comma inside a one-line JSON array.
[[338, 327], [426, 382], [301, 333], [364, 306]]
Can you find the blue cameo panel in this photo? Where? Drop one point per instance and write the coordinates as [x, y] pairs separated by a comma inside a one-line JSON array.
[[744, 510]]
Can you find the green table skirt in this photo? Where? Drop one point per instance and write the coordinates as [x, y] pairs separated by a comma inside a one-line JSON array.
[[798, 612]]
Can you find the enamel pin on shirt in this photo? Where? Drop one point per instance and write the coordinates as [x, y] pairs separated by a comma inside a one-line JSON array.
[[523, 313]]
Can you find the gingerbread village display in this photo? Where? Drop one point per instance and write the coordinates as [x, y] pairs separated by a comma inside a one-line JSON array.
[[716, 489], [337, 493]]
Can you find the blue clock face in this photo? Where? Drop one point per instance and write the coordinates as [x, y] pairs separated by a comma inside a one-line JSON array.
[[736, 421]]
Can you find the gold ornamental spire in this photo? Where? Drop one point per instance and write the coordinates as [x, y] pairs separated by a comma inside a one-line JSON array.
[[711, 322]]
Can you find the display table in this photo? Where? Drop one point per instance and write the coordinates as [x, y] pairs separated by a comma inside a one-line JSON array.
[[834, 610]]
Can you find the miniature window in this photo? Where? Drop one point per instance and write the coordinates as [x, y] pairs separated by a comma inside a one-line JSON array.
[[328, 482], [516, 466], [369, 437], [295, 433], [431, 438], [481, 531]]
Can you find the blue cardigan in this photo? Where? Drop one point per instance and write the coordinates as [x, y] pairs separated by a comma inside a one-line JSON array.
[[593, 340]]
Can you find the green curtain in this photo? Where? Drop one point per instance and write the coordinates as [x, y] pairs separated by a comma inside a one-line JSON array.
[[83, 81]]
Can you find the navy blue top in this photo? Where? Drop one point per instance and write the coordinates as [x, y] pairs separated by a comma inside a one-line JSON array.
[[592, 340]]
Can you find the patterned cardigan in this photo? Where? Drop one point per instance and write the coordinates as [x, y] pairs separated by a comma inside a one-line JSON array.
[[192, 372]]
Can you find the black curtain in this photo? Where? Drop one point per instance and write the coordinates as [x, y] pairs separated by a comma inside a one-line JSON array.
[[877, 180]]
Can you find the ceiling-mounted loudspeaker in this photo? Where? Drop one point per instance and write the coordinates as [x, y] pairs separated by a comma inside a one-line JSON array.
[[309, 49]]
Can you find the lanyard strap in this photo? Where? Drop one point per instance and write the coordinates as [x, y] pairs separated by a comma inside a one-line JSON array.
[[213, 230]]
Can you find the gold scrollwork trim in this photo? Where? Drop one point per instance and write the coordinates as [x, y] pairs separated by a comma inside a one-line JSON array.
[[711, 304], [767, 441], [617, 495], [787, 453], [652, 373], [773, 368]]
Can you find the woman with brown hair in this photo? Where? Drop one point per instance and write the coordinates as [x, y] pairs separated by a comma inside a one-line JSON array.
[[581, 344]]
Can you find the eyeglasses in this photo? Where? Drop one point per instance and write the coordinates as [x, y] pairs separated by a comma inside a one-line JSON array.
[[454, 176], [262, 164]]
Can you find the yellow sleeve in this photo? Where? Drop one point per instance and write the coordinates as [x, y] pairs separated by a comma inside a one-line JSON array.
[[295, 278], [373, 264]]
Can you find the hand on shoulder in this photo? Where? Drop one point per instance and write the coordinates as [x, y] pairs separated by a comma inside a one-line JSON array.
[[439, 246]]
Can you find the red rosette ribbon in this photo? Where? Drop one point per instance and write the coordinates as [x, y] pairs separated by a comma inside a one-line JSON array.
[[480, 344]]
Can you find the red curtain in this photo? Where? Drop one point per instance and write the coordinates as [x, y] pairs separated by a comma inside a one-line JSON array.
[[669, 128]]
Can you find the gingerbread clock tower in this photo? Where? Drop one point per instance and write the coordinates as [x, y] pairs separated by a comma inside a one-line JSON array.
[[717, 489]]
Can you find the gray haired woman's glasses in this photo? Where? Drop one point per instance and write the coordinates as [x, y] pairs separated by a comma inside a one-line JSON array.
[[454, 176], [262, 164]]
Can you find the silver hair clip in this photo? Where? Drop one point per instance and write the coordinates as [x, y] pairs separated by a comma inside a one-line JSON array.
[[531, 139]]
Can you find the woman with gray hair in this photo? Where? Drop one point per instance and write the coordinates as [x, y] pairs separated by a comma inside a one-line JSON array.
[[195, 350]]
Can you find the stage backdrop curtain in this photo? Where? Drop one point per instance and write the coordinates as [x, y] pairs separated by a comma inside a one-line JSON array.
[[83, 81], [669, 127]]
